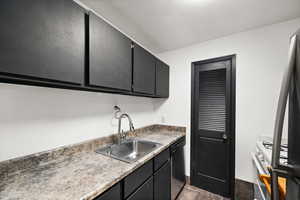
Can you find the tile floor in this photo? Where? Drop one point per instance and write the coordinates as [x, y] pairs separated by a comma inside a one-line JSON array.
[[192, 193]]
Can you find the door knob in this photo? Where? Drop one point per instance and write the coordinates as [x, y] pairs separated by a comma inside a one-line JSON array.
[[224, 136]]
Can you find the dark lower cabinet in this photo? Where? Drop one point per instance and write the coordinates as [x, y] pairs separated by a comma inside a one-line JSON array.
[[136, 178], [162, 182], [145, 183], [161, 159], [42, 39], [110, 56], [113, 193], [162, 79], [145, 192], [143, 71]]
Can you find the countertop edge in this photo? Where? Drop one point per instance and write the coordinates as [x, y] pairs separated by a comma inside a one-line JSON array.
[[150, 156], [86, 174]]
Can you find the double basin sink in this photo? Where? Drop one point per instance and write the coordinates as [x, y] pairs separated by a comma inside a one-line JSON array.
[[129, 150]]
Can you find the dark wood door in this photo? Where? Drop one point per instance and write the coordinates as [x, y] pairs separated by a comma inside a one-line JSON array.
[[42, 39], [113, 193], [143, 71], [212, 127], [162, 79], [162, 182], [145, 192], [110, 56]]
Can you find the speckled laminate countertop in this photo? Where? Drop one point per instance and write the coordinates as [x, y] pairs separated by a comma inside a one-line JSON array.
[[75, 172]]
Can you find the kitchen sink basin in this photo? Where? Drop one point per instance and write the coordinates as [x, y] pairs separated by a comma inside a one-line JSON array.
[[129, 150]]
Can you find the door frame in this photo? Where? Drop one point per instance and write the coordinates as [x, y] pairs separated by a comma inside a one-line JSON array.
[[232, 58]]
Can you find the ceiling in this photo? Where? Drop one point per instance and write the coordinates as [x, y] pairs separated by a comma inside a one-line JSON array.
[[163, 25]]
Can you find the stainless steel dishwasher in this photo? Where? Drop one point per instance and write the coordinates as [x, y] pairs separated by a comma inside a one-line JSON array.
[[178, 179]]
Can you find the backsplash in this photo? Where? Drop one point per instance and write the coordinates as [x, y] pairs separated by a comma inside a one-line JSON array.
[[36, 119]]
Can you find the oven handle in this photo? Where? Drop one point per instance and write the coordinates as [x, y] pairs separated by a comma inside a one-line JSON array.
[[258, 165], [261, 190], [284, 91]]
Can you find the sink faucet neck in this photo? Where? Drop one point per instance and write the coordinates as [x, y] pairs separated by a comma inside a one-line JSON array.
[[121, 135]]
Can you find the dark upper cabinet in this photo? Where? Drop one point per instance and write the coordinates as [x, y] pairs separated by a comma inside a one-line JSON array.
[[162, 182], [143, 71], [110, 56], [162, 79], [42, 39], [113, 193], [57, 43]]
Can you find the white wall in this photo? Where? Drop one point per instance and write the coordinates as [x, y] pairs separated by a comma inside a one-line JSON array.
[[261, 58], [34, 119]]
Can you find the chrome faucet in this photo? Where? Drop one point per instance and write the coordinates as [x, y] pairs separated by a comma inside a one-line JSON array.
[[121, 134]]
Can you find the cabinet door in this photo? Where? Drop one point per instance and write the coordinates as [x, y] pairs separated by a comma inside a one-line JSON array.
[[110, 56], [136, 178], [143, 71], [161, 159], [162, 79], [113, 193], [145, 192], [42, 39], [162, 183]]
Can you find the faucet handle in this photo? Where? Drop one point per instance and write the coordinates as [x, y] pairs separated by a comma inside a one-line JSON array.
[[123, 134], [131, 127], [132, 130]]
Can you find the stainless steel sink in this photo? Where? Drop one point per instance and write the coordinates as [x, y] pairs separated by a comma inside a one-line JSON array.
[[129, 150]]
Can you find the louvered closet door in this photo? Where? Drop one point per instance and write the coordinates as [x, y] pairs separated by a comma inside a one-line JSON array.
[[212, 127]]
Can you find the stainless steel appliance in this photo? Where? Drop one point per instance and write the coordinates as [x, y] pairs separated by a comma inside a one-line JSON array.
[[260, 190], [290, 89], [178, 179], [262, 161]]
